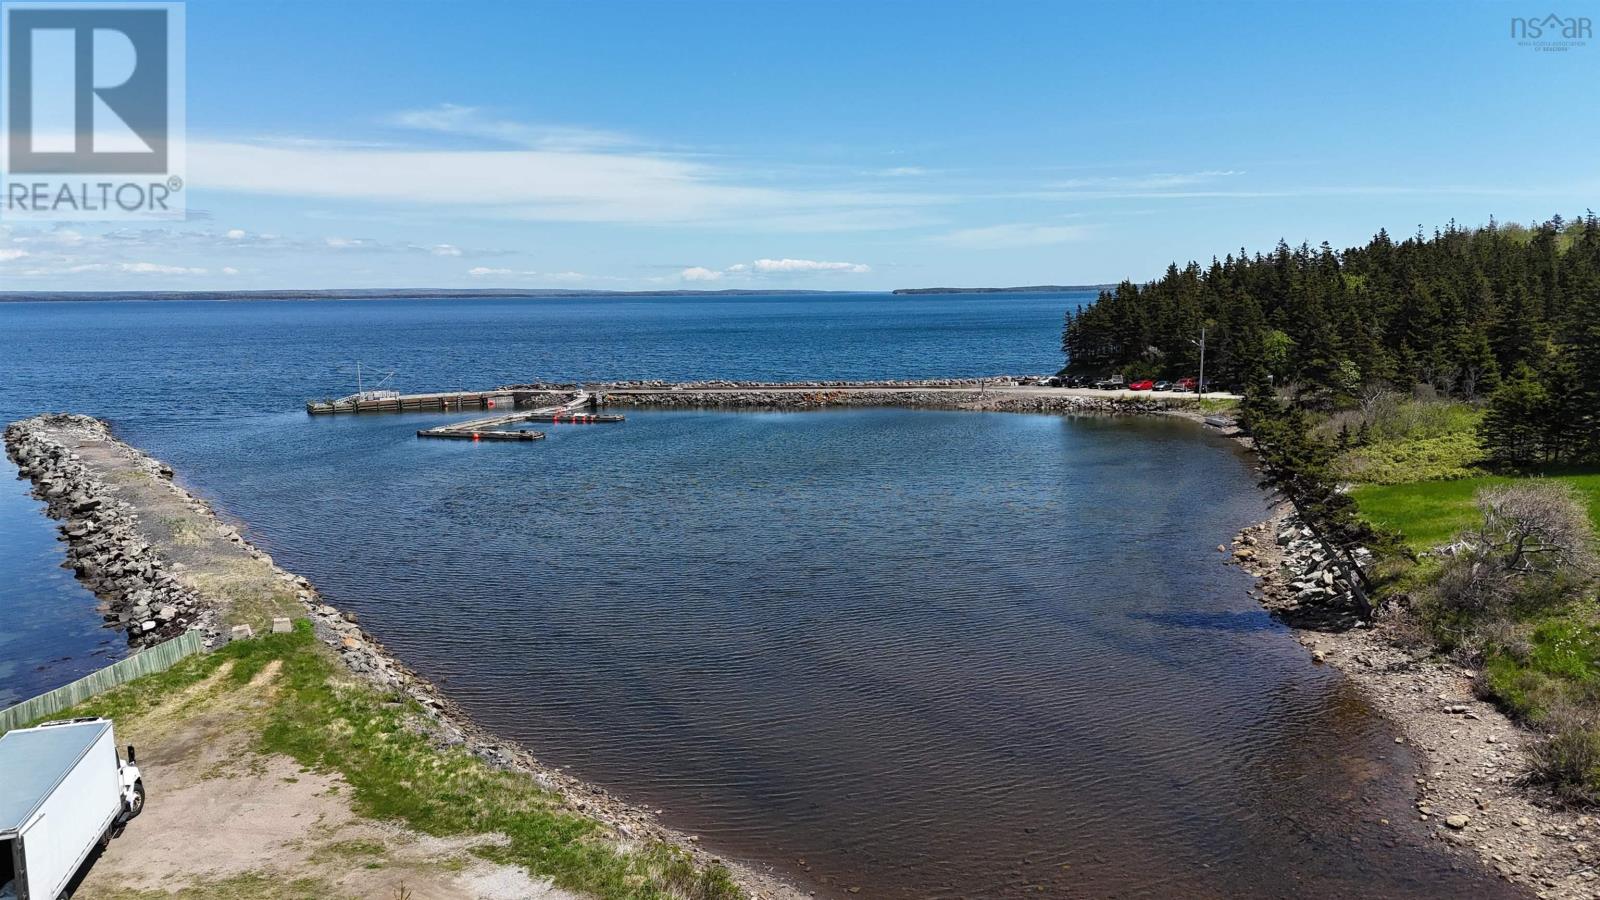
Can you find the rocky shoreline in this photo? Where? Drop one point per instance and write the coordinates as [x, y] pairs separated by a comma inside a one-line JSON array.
[[128, 568], [1471, 786], [104, 547]]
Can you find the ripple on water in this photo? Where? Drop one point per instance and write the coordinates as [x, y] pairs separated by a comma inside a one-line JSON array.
[[929, 653]]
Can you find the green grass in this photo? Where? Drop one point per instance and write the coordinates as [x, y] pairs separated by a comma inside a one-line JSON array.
[[330, 723], [250, 886], [1212, 407], [1555, 664], [1420, 473], [1430, 513]]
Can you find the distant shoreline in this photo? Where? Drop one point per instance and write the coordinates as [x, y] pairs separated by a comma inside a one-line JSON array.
[[377, 294], [480, 294], [1023, 289]]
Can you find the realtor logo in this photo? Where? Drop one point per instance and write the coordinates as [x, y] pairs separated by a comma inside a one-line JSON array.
[[93, 110]]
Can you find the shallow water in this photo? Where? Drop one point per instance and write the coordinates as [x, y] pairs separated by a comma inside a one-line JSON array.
[[919, 653]]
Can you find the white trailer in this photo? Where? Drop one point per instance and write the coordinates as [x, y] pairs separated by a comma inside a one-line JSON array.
[[63, 791]]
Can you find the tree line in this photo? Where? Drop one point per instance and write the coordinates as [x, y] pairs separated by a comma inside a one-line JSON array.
[[1506, 313]]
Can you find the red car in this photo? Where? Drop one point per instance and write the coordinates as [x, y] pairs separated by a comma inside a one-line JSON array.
[[1186, 384], [1145, 385]]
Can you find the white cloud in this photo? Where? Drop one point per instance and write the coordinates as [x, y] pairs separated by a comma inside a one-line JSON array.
[[10, 253], [807, 265], [229, 270], [547, 185], [51, 237], [446, 250], [777, 267], [149, 268], [494, 272], [1150, 182], [472, 122], [1017, 234], [237, 234]]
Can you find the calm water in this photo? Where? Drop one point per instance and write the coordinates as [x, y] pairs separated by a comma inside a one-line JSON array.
[[919, 653]]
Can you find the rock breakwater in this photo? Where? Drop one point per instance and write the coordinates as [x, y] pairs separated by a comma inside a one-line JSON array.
[[104, 545], [151, 552]]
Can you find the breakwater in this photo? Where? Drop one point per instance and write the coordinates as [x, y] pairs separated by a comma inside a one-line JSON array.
[[121, 519], [999, 394], [138, 591]]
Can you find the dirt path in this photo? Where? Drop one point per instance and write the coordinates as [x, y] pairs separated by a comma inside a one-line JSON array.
[[224, 821]]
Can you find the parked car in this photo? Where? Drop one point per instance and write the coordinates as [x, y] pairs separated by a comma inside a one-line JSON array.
[[63, 791], [1109, 384], [1184, 384], [1163, 386], [1144, 385]]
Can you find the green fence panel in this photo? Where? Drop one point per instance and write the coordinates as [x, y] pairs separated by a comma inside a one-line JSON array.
[[148, 661]]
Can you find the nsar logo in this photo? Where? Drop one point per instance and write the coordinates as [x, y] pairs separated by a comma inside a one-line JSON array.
[[1552, 33]]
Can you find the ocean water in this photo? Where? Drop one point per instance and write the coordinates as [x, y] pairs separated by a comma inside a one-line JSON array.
[[917, 653]]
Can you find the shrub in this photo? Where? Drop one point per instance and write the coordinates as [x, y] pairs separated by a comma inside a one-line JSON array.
[[1531, 554], [1536, 528], [1568, 759]]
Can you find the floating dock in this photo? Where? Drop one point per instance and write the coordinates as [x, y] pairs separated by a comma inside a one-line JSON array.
[[495, 428]]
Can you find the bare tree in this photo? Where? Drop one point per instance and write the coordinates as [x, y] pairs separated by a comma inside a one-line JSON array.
[[1536, 526], [1532, 532], [1375, 400]]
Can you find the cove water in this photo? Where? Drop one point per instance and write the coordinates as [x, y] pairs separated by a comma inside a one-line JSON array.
[[917, 653]]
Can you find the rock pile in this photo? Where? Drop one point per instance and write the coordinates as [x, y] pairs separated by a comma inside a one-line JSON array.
[[1307, 583], [758, 398], [104, 546], [997, 381]]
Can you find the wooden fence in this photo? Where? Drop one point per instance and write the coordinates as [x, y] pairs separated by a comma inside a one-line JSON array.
[[148, 661]]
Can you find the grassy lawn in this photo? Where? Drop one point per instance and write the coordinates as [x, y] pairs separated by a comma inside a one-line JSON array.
[[1430, 513], [1214, 407]]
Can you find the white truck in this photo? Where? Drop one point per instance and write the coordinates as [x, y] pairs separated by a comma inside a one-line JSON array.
[[63, 791]]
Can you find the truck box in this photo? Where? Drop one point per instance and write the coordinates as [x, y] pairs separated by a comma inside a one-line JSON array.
[[60, 795]]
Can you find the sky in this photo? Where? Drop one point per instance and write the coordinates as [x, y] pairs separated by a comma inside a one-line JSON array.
[[830, 145]]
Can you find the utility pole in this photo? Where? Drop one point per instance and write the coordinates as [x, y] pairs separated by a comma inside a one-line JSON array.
[[1200, 388]]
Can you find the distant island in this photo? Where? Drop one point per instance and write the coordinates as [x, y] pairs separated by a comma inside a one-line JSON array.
[[378, 294], [487, 293], [1025, 289]]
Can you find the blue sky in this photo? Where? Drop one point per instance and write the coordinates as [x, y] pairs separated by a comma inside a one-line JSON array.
[[830, 145]]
